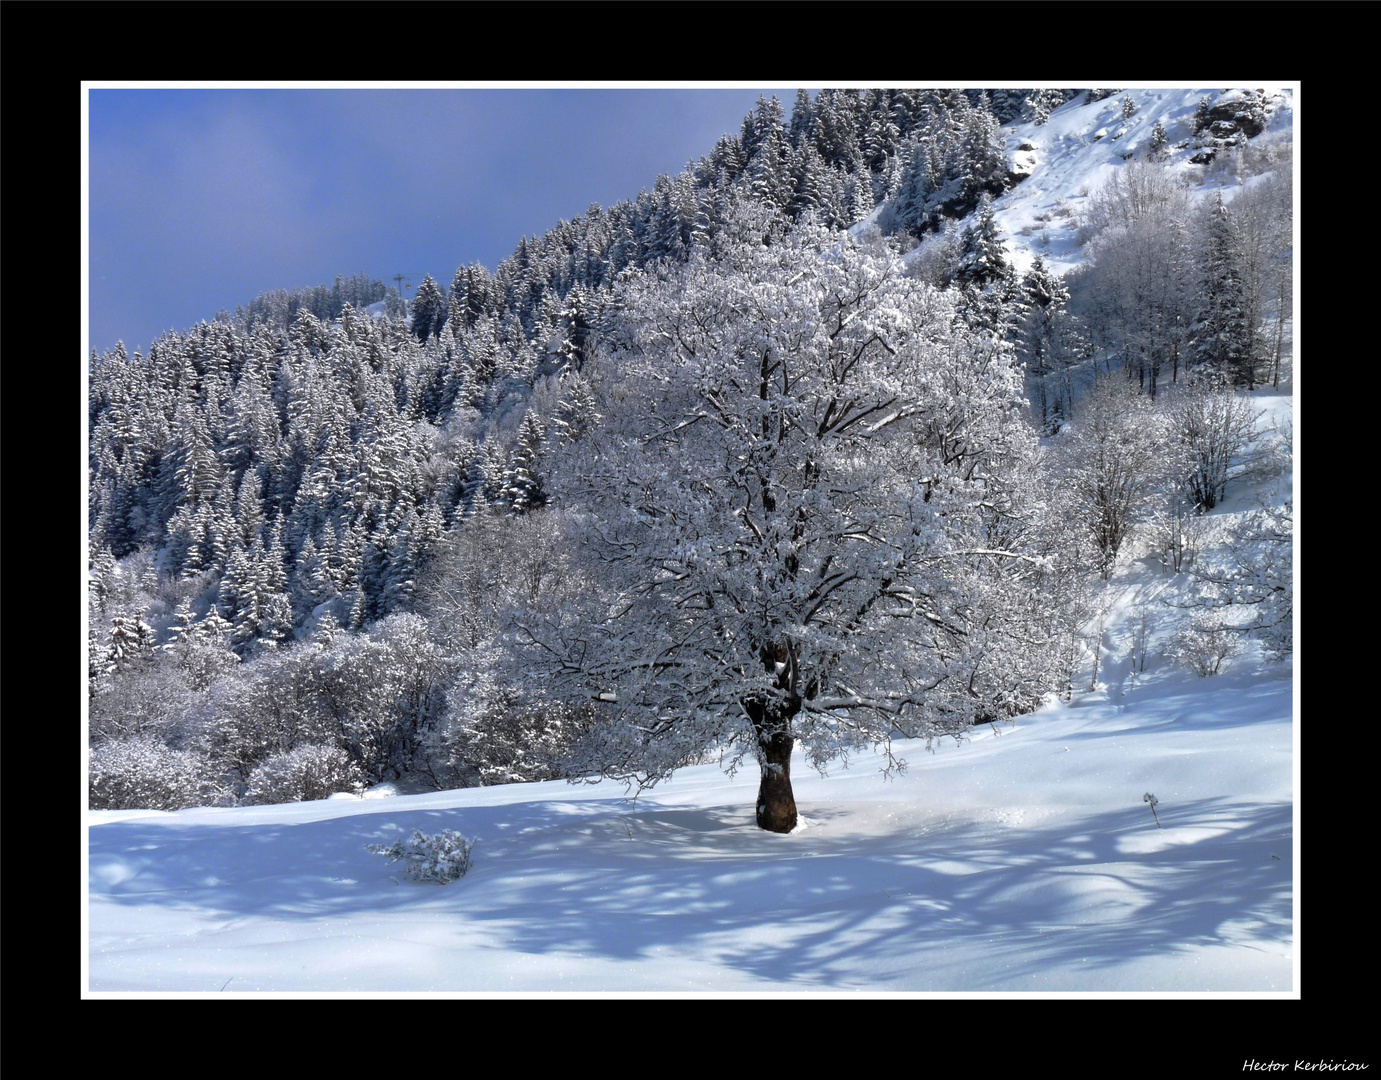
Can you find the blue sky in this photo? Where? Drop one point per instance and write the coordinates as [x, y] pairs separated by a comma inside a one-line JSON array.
[[200, 198]]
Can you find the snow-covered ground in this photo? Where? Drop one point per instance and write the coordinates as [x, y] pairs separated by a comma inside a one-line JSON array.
[[1023, 859]]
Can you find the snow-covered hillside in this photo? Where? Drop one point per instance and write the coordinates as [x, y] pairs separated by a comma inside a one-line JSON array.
[[1071, 155], [1061, 163], [1026, 857]]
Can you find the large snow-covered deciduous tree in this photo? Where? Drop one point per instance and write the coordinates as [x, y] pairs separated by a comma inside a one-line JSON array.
[[796, 520]]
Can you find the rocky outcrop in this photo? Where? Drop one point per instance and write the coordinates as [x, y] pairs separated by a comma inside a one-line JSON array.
[[1234, 116], [1244, 112]]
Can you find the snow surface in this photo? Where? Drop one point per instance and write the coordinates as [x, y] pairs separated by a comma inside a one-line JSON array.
[[1023, 859]]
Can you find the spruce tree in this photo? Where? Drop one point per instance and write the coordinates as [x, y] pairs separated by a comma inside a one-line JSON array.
[[1219, 333], [803, 120], [768, 179], [1201, 121], [982, 163], [910, 212], [985, 276], [576, 329], [131, 643], [880, 140], [427, 309], [308, 581], [983, 251], [1042, 103], [523, 489], [576, 415], [1159, 145], [805, 171], [399, 580], [1044, 334]]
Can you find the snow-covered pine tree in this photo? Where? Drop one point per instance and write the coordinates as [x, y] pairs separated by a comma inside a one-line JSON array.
[[1159, 145], [523, 489], [804, 123], [880, 138], [1043, 339], [576, 329], [428, 309], [985, 276], [910, 213], [806, 168], [576, 414], [1042, 103], [1219, 332], [983, 162], [130, 644]]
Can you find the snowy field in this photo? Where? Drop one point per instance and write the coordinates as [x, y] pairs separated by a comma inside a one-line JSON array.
[[1024, 859]]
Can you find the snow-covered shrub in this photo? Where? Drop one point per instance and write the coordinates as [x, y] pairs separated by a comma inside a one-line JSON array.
[[1179, 533], [441, 857], [153, 702], [1204, 644], [303, 774], [505, 732], [1114, 456], [141, 773], [1215, 428], [1249, 584]]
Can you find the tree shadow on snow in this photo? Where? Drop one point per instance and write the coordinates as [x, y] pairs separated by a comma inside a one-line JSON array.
[[810, 910]]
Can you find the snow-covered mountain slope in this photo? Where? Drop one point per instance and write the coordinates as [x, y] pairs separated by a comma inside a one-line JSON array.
[[1070, 156]]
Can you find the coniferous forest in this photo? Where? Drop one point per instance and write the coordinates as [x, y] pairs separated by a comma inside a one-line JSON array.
[[788, 452]]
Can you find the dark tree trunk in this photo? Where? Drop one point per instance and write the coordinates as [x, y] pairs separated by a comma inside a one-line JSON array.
[[776, 803], [771, 718]]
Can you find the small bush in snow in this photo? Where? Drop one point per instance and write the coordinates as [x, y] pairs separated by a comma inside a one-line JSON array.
[[303, 774], [1204, 644], [443, 857]]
